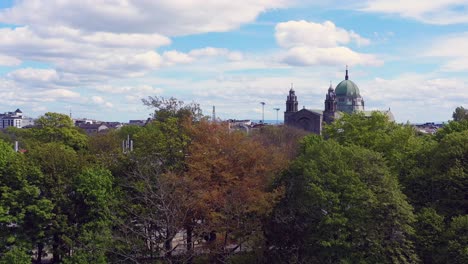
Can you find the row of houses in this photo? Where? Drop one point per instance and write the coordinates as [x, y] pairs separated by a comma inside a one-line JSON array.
[[90, 126]]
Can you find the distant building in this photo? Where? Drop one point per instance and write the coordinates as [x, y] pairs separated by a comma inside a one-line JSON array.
[[428, 128], [243, 125], [93, 128], [138, 122], [11, 119], [345, 98], [113, 125]]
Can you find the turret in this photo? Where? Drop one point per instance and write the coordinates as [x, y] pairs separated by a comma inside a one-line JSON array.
[[330, 105], [291, 104]]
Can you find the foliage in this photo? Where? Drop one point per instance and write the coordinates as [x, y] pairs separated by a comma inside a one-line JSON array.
[[430, 230], [230, 175], [15, 255], [457, 237], [55, 127], [342, 205], [23, 211], [193, 191], [452, 127], [396, 142], [460, 114], [167, 108]]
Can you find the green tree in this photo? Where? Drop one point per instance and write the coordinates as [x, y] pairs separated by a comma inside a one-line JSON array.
[[163, 142], [59, 164], [165, 108], [457, 237], [342, 205], [460, 114], [15, 255], [430, 228], [94, 201], [452, 127], [24, 212], [55, 127]]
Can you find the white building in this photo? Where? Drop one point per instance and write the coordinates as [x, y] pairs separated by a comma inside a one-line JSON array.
[[9, 119]]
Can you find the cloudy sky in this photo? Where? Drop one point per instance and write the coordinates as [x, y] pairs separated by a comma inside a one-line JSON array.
[[100, 57]]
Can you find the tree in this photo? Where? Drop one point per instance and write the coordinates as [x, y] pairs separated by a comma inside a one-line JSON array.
[[460, 114], [280, 139], [166, 108], [452, 127], [94, 201], [15, 255], [164, 143], [55, 127], [24, 212], [342, 205], [457, 237], [430, 228], [230, 175], [156, 208], [59, 164]]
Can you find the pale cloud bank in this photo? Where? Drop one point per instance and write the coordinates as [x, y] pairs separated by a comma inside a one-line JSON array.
[[442, 12], [309, 43]]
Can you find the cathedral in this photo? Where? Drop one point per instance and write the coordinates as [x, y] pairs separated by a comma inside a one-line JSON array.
[[345, 98]]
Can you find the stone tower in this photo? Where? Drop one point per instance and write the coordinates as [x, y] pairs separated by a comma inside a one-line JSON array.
[[330, 106], [291, 104]]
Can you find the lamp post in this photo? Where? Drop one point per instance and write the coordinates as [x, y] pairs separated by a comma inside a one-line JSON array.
[[263, 112], [277, 110]]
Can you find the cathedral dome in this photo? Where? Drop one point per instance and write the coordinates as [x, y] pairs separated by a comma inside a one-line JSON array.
[[347, 88]]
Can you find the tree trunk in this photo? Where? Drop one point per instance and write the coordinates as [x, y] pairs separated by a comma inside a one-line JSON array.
[[40, 249], [55, 249], [189, 230], [168, 244]]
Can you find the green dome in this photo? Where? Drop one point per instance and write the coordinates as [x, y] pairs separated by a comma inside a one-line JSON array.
[[347, 88]]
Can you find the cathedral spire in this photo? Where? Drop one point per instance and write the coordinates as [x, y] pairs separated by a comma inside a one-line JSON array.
[[346, 76]]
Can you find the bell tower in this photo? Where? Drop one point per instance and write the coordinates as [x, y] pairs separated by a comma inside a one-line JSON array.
[[330, 105], [291, 104]]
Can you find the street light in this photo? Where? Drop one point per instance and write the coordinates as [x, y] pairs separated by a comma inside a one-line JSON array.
[[277, 110], [263, 112]]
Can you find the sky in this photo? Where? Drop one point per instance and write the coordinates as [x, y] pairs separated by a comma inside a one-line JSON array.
[[99, 58]]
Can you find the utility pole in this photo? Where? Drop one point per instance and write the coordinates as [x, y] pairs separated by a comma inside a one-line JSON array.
[[277, 110], [263, 112]]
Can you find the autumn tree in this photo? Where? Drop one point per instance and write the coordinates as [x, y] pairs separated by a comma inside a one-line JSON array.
[[231, 175]]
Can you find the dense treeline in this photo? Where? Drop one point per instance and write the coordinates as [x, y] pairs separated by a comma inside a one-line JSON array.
[[191, 191]]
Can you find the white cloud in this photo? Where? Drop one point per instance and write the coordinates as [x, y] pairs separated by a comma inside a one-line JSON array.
[[9, 61], [70, 51], [55, 94], [305, 56], [97, 99], [167, 17], [34, 75], [303, 33], [174, 57], [411, 95], [214, 52], [442, 12], [449, 49], [309, 43]]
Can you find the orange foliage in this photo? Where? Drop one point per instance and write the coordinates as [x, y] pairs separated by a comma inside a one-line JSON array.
[[231, 176]]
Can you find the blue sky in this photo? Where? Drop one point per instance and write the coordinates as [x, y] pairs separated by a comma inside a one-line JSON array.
[[99, 58]]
